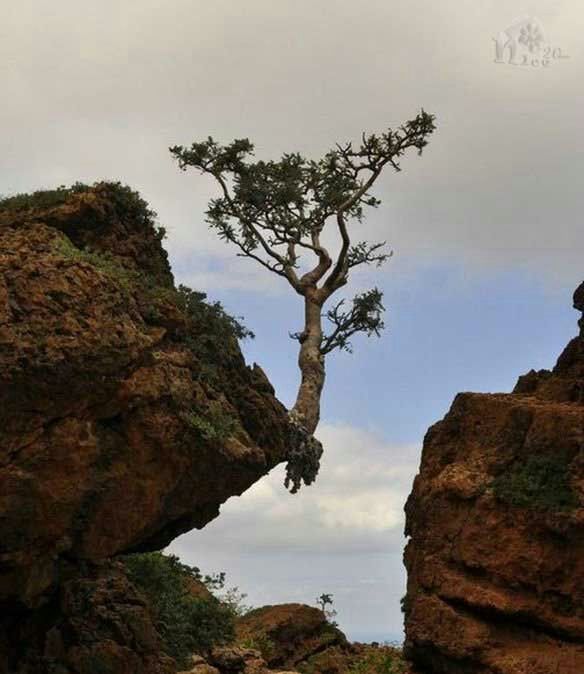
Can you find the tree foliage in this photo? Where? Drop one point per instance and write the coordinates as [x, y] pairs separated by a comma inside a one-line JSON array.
[[273, 210], [278, 213]]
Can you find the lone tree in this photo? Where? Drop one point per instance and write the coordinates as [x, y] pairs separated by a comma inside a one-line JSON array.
[[274, 211]]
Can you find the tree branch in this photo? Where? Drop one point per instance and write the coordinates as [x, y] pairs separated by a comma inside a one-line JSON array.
[[364, 316]]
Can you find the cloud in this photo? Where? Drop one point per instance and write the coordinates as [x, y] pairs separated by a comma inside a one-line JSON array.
[[497, 187], [356, 504], [342, 535]]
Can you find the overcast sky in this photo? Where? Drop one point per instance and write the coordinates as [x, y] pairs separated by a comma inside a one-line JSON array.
[[486, 226]]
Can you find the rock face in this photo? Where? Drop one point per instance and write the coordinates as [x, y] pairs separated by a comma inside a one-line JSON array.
[[94, 621], [299, 638], [289, 634], [496, 519], [127, 414], [232, 660]]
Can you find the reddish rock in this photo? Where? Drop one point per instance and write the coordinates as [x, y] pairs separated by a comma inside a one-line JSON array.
[[495, 577], [288, 634], [104, 400]]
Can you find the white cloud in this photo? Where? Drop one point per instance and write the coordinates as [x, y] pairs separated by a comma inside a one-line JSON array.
[[497, 188], [341, 535], [356, 503]]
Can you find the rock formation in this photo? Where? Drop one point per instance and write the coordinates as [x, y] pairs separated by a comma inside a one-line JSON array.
[[300, 638], [292, 634], [127, 416], [496, 519]]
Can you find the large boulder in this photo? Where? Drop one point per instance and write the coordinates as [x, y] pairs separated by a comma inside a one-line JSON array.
[[127, 412], [496, 523], [289, 634]]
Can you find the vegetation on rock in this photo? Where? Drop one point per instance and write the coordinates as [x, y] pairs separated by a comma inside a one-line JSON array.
[[41, 198], [541, 482], [187, 623], [382, 660], [127, 202]]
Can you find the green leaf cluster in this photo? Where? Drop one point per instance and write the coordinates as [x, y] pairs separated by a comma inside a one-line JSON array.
[[41, 198], [380, 661], [540, 482], [186, 623], [213, 425]]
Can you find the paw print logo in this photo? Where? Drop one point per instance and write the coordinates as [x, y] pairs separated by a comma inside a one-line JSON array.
[[531, 37]]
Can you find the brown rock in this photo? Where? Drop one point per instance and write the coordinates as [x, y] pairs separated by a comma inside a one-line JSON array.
[[289, 634], [95, 622], [495, 573], [99, 386], [237, 659]]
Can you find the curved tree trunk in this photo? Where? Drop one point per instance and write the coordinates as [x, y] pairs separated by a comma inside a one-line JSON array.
[[306, 410]]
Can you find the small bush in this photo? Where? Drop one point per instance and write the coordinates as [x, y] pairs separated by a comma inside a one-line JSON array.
[[541, 482], [128, 204], [187, 624], [104, 261], [262, 643], [380, 661], [212, 333], [234, 600], [213, 426], [211, 314], [41, 198]]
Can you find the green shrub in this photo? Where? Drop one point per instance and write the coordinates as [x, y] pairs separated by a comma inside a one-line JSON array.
[[212, 333], [380, 661], [260, 642], [213, 426], [187, 624], [210, 314], [41, 198], [128, 204], [541, 482], [405, 604], [234, 600], [104, 261]]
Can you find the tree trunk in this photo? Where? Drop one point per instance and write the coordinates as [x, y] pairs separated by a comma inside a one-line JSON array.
[[306, 410]]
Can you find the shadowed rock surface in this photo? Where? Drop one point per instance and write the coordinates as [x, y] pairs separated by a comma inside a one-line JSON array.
[[496, 519], [124, 422]]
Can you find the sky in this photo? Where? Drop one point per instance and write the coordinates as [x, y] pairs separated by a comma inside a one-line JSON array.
[[485, 226]]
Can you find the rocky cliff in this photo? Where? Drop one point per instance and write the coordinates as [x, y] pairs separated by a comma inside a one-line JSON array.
[[127, 416], [495, 558]]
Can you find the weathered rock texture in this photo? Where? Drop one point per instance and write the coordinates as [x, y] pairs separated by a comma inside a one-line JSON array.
[[300, 638], [231, 660], [496, 518], [290, 634], [107, 420]]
